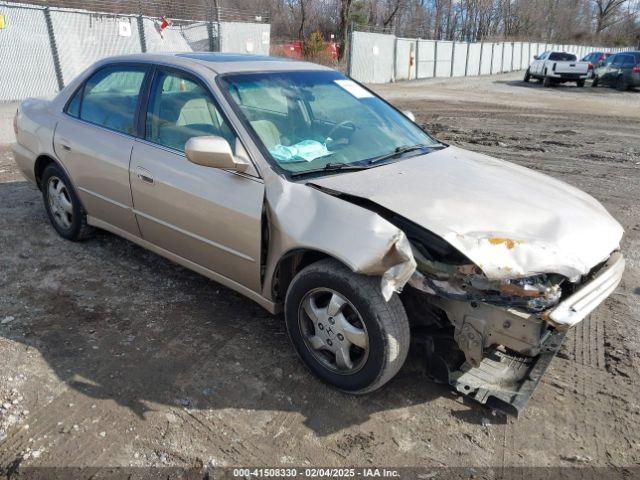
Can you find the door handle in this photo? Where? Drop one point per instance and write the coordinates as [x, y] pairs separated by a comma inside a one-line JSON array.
[[144, 175]]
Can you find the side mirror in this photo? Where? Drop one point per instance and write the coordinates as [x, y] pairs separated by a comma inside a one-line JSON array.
[[536, 57], [213, 151], [409, 114]]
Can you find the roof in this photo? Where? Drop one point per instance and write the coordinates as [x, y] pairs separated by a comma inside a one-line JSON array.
[[222, 62]]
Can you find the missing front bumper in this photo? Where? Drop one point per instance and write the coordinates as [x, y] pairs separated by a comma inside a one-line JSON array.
[[505, 381]]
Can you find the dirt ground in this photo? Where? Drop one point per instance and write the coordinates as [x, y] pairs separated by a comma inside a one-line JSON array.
[[113, 356]]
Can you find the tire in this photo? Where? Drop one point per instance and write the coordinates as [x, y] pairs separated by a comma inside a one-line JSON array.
[[63, 205], [580, 83], [379, 329], [546, 82], [594, 83], [527, 76], [621, 84]]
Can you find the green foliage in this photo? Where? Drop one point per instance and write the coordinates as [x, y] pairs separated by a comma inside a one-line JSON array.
[[358, 15], [314, 44]]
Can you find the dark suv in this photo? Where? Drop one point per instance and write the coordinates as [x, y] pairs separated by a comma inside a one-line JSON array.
[[622, 72]]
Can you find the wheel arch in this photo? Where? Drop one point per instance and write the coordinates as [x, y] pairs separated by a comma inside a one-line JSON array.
[[291, 263], [42, 162]]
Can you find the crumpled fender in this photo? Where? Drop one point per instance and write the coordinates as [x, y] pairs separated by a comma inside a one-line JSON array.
[[301, 217]]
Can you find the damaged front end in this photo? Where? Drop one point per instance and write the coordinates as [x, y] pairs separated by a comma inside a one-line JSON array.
[[503, 329]]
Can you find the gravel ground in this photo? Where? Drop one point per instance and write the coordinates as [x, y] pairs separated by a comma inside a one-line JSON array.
[[113, 356]]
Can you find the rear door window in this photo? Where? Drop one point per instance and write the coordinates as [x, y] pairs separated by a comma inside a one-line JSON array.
[[110, 98]]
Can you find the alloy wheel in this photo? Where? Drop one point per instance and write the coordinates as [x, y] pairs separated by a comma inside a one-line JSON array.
[[333, 331], [60, 203]]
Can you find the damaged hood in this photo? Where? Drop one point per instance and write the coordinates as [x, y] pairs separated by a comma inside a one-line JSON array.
[[509, 220]]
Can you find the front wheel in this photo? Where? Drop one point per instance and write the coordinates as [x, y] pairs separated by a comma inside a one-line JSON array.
[[527, 76], [343, 329], [546, 83]]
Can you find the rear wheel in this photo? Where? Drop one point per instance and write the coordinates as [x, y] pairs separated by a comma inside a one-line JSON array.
[[622, 84], [63, 205], [343, 329]]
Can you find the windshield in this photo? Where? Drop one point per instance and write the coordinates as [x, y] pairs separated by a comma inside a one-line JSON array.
[[308, 120]]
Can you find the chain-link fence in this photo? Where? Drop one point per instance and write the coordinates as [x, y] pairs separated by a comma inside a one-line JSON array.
[[381, 57], [45, 44]]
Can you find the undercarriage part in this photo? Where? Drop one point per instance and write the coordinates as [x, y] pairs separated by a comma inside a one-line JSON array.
[[505, 380], [480, 326]]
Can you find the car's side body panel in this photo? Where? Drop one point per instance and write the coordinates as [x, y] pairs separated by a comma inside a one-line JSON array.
[[209, 216], [97, 160], [36, 125]]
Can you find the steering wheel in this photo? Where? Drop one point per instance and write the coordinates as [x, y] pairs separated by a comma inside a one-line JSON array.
[[345, 125]]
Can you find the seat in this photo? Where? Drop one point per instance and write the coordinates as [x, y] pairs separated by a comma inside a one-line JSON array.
[[267, 131]]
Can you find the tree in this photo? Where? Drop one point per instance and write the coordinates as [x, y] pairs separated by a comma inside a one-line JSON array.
[[343, 26], [608, 13]]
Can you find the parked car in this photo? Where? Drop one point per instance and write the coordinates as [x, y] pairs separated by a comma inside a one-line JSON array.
[[621, 70], [557, 67], [600, 69], [596, 59], [304, 191]]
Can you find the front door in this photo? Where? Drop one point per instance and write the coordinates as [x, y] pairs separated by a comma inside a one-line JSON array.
[[95, 139], [209, 216]]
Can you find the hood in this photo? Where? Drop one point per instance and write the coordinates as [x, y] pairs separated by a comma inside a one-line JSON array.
[[509, 220]]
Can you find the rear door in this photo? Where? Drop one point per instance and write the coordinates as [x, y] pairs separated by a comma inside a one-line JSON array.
[[95, 138], [209, 216]]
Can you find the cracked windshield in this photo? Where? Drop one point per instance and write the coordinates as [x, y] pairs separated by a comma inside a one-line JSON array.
[[315, 121]]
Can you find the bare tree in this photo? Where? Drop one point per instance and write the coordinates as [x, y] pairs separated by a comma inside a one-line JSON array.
[[608, 13]]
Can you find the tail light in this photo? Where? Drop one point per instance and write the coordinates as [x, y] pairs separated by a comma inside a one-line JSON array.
[[636, 69], [590, 67], [15, 124]]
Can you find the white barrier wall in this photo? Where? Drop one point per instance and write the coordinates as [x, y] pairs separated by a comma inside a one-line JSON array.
[[426, 58], [35, 77], [459, 59], [372, 57], [244, 37], [81, 39], [406, 59], [43, 47], [381, 58]]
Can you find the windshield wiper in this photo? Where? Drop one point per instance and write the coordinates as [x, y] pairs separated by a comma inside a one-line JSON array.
[[402, 150], [330, 167]]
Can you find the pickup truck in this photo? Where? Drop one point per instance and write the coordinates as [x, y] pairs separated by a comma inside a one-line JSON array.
[[558, 67]]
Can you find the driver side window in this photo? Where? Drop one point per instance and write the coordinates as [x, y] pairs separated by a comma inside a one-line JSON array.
[[179, 109]]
